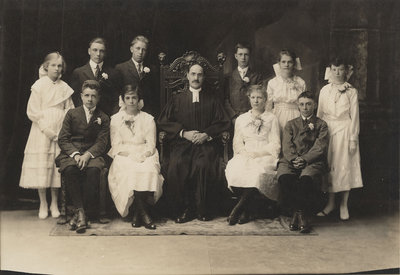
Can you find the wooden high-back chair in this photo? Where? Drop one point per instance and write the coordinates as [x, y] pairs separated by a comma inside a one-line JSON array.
[[173, 80]]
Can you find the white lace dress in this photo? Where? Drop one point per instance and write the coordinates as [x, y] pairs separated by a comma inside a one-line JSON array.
[[48, 103], [338, 106], [135, 135], [258, 137], [283, 94]]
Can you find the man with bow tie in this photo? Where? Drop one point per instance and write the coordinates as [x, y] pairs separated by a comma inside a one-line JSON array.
[[242, 77], [96, 69], [192, 119], [304, 146], [83, 142], [136, 73]]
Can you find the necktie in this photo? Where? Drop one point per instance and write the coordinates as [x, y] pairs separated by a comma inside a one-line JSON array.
[[97, 75], [140, 69], [90, 114]]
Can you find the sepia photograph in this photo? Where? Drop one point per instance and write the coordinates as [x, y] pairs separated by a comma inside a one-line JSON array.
[[199, 137]]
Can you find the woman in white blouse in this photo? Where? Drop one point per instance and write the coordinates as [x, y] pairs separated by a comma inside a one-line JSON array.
[[256, 146], [338, 106], [285, 87], [134, 176]]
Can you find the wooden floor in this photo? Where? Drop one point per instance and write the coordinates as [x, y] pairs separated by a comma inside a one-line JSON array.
[[366, 242]]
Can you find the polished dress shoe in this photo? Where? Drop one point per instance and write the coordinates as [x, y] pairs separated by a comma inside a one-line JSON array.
[[203, 218], [186, 216], [62, 219], [243, 218], [81, 224], [104, 220], [304, 226], [147, 222], [294, 223], [73, 221], [136, 219]]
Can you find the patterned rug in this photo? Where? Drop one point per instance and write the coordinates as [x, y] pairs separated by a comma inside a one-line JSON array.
[[216, 227]]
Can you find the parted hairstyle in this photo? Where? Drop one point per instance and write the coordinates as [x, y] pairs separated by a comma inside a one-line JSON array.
[[128, 89], [288, 52], [306, 94], [257, 88], [339, 60], [91, 84], [140, 38], [242, 45], [54, 55], [99, 40]]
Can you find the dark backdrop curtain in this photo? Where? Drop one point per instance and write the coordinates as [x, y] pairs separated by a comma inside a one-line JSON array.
[[32, 28]]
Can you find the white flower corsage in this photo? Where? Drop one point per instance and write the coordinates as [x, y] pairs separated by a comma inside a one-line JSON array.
[[104, 75], [246, 79], [311, 126], [146, 70], [343, 88], [257, 123], [98, 121]]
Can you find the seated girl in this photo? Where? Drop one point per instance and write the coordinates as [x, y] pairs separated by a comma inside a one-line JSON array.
[[134, 176], [256, 146]]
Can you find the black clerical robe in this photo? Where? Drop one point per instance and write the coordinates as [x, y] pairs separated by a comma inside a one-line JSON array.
[[192, 173]]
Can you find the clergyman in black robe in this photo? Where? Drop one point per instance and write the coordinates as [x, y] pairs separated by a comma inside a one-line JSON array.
[[192, 119]]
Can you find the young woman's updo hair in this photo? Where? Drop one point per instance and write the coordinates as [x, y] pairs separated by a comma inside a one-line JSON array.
[[257, 88], [287, 52], [130, 89], [337, 61], [51, 56]]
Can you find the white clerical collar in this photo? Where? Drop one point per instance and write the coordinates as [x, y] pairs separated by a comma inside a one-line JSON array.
[[93, 65], [195, 94], [304, 118]]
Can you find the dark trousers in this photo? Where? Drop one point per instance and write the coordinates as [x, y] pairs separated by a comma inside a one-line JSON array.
[[298, 193], [83, 188]]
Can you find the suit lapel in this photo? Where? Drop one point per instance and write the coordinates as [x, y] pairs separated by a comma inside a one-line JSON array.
[[82, 115], [132, 69], [236, 75], [88, 72]]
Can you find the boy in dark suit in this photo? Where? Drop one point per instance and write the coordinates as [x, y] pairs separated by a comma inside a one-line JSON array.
[[304, 146], [242, 77], [138, 74], [97, 69], [83, 141]]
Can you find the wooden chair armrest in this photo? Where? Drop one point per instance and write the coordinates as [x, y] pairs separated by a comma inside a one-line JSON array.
[[161, 139]]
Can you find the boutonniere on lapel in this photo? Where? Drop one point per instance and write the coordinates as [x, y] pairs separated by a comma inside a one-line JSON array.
[[146, 70], [311, 126], [104, 76], [97, 120], [246, 79]]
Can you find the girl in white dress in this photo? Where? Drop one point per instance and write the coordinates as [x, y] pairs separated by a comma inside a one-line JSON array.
[[256, 146], [285, 87], [338, 106], [48, 103], [134, 175]]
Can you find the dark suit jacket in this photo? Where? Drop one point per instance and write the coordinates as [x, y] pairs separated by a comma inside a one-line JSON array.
[[77, 135], [236, 100], [300, 141], [110, 88], [148, 84]]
